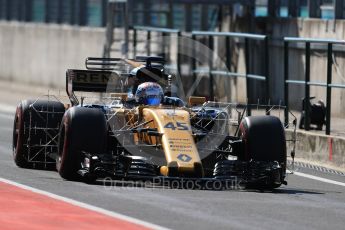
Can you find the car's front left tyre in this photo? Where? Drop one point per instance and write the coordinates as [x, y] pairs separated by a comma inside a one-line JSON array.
[[264, 145]]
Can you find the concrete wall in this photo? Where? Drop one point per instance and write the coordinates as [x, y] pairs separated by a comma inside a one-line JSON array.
[[319, 148], [39, 54]]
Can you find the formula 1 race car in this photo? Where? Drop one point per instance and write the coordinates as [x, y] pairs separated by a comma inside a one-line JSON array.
[[146, 134]]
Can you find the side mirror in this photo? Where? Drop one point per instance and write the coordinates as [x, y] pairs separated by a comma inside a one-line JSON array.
[[193, 100]]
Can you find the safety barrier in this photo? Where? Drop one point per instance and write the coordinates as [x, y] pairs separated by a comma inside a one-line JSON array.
[[307, 83], [211, 71]]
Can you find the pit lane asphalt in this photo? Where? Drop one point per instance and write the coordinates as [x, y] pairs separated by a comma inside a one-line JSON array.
[[302, 204]]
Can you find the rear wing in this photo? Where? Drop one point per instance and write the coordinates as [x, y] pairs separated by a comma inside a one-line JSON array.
[[105, 74], [90, 81]]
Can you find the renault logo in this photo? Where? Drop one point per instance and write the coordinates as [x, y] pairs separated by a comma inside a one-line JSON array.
[[184, 157]]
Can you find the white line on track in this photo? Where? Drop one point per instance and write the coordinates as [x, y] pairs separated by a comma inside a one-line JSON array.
[[84, 205], [319, 178]]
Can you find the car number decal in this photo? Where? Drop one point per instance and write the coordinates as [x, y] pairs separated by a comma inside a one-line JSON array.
[[178, 126]]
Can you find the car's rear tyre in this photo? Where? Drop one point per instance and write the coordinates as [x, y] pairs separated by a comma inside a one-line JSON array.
[[264, 141], [49, 116], [82, 130]]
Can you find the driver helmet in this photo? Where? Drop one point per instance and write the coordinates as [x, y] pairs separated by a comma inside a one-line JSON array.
[[149, 93], [131, 82]]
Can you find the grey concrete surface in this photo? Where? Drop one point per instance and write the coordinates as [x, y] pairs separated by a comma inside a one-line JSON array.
[[40, 54]]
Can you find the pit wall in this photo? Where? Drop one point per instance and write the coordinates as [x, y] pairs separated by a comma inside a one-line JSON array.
[[326, 150]]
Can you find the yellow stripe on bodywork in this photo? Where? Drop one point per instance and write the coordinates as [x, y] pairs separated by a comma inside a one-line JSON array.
[[177, 140]]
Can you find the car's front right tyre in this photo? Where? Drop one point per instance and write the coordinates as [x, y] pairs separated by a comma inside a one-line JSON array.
[[83, 130]]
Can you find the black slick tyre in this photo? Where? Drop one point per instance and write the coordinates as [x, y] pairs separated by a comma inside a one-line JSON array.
[[83, 130], [38, 114], [264, 141]]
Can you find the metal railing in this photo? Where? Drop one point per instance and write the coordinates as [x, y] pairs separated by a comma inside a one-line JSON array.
[[211, 71], [164, 32], [307, 82]]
